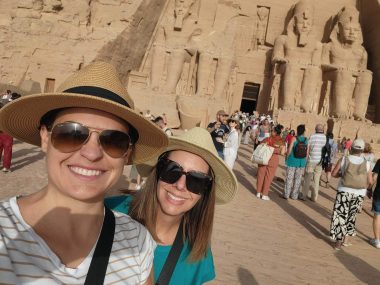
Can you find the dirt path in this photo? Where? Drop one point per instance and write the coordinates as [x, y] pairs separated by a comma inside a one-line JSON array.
[[254, 241]]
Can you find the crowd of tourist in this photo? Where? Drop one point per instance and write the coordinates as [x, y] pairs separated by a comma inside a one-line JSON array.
[[88, 135]]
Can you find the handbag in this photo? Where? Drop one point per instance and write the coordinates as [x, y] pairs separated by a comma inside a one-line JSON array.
[[171, 260], [98, 267], [262, 154]]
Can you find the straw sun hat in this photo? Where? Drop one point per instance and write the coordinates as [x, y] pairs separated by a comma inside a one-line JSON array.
[[96, 86], [198, 141]]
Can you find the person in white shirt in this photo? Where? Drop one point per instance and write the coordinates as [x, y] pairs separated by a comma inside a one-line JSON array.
[[232, 144], [88, 131]]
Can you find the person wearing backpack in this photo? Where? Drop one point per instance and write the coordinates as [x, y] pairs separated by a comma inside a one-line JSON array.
[[295, 163], [328, 159], [355, 177], [313, 166]]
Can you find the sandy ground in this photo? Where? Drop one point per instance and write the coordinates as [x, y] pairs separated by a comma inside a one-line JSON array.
[[254, 241]]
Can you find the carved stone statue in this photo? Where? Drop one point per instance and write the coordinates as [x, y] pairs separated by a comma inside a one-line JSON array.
[[262, 22], [172, 39], [297, 55], [181, 11], [345, 61]]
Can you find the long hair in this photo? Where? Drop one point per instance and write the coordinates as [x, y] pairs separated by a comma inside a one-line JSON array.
[[198, 221]]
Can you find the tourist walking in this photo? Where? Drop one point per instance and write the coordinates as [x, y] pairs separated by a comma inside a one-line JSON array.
[[6, 144], [313, 165], [63, 234], [355, 177], [375, 195], [266, 173], [218, 130], [329, 157], [247, 134], [295, 164], [177, 205], [231, 145]]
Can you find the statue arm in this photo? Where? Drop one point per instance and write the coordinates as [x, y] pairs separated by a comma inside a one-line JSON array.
[[279, 50], [363, 62]]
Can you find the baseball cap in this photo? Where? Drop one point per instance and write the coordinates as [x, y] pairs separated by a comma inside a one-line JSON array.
[[358, 144]]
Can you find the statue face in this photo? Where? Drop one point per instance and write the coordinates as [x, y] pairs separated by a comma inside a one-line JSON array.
[[350, 31], [303, 24], [182, 7]]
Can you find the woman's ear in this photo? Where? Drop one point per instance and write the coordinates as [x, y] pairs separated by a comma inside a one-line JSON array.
[[44, 134]]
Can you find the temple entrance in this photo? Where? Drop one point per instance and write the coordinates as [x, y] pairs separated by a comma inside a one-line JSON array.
[[250, 95]]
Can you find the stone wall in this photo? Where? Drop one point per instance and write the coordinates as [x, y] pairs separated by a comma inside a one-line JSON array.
[[43, 39]]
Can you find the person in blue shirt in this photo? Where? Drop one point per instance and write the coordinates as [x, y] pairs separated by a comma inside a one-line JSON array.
[[295, 165], [184, 185]]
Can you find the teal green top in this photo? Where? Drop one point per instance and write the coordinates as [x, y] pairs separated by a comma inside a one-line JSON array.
[[291, 161], [185, 273]]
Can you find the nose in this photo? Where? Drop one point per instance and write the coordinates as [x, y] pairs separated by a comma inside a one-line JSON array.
[[181, 183], [92, 149]]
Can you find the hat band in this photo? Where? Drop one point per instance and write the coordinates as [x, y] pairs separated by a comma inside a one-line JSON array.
[[98, 92]]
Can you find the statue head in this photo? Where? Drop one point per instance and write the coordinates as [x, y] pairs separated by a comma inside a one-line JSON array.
[[301, 23], [262, 13], [303, 17], [181, 11], [348, 26]]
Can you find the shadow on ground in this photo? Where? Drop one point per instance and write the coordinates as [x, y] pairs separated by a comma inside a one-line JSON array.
[[246, 277], [365, 272]]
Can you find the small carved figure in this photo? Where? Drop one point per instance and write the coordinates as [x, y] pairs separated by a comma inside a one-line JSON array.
[[262, 22], [181, 11], [345, 61], [297, 56]]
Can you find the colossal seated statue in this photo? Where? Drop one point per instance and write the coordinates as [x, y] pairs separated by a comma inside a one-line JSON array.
[[297, 56], [345, 62]]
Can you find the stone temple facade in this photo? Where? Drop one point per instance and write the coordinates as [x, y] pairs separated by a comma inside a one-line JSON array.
[[303, 61]]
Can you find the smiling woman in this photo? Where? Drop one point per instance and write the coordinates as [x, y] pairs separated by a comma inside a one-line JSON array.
[[88, 131], [177, 206]]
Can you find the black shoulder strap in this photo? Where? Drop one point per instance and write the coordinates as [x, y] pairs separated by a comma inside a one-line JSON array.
[[171, 260], [98, 267]]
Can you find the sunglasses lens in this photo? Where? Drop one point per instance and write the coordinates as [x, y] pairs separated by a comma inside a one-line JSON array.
[[169, 171], [68, 137], [114, 143], [197, 182]]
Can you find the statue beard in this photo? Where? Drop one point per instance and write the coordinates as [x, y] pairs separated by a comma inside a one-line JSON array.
[[303, 38]]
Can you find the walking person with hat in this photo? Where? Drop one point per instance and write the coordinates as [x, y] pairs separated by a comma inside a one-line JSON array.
[[63, 234], [355, 177], [218, 130], [177, 206]]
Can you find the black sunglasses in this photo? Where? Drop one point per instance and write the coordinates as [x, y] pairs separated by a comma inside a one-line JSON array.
[[71, 136], [170, 171]]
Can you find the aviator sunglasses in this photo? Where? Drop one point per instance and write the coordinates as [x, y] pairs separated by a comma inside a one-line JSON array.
[[71, 136], [170, 171]]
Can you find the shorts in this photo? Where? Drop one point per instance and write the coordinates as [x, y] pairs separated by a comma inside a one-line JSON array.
[[376, 206]]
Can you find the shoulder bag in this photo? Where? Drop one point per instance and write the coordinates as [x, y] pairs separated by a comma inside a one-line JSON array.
[[98, 267], [172, 259], [262, 154]]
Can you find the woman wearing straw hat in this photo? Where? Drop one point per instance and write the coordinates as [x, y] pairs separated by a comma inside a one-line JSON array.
[[177, 205], [63, 233]]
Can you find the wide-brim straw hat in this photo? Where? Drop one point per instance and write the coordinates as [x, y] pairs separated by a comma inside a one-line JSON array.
[[96, 86], [199, 141]]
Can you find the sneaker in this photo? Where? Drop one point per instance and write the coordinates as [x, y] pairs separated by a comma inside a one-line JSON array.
[[6, 170], [285, 197], [258, 195], [301, 197], [375, 242], [265, 198]]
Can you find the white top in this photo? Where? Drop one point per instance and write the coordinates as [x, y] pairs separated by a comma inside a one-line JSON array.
[[25, 258], [232, 143], [316, 142], [354, 160]]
